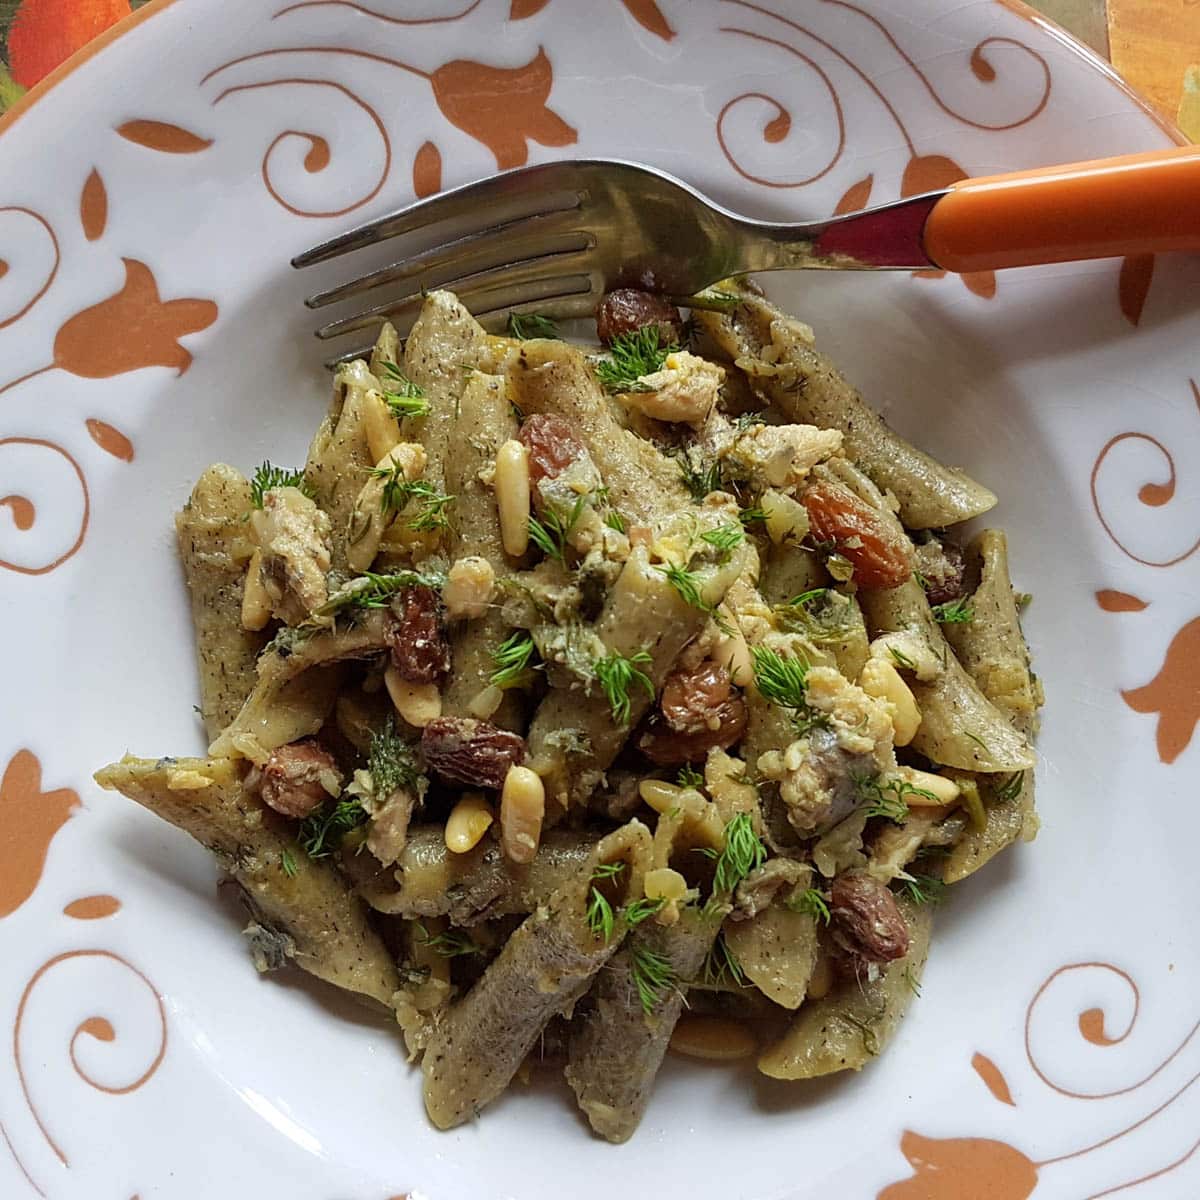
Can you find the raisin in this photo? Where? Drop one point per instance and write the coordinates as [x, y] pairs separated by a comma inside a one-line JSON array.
[[552, 444], [865, 919], [464, 750], [881, 559], [415, 634], [698, 709], [628, 309], [290, 783]]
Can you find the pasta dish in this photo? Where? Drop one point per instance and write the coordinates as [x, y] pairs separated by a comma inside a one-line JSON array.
[[576, 703]]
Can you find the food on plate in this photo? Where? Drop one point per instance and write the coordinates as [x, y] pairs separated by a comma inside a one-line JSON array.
[[573, 704]]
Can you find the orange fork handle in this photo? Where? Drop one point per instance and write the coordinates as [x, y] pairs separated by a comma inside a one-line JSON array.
[[1138, 204]]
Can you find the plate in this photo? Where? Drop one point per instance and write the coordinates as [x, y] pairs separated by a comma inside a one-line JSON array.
[[150, 198]]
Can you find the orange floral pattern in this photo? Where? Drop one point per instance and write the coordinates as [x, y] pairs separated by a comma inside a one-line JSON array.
[[504, 108], [133, 328], [29, 819], [1173, 694], [955, 1168]]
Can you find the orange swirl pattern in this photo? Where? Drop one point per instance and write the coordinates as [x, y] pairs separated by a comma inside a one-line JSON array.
[[1153, 494], [97, 1027], [14, 317], [955, 1168], [318, 156], [24, 511], [978, 62]]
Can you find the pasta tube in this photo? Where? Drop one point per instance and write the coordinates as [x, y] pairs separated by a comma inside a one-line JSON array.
[[305, 911], [479, 1043], [854, 1022], [777, 353], [992, 649], [211, 532], [960, 727]]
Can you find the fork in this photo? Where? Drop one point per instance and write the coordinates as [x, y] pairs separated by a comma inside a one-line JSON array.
[[555, 237]]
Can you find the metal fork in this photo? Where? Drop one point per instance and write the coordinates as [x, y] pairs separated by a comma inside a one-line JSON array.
[[554, 238]]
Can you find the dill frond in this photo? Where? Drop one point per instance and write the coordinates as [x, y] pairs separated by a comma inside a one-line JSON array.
[[524, 326], [954, 612], [652, 974], [811, 901], [268, 477], [616, 674], [512, 658], [631, 355]]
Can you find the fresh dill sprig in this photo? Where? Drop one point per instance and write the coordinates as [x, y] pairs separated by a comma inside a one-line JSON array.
[[954, 612], [689, 777], [725, 538], [811, 901], [924, 889], [782, 681], [268, 477], [392, 763], [742, 853], [885, 796], [512, 659], [638, 911], [287, 863], [399, 492], [687, 584], [721, 961], [550, 534], [322, 831], [700, 475], [977, 740], [524, 326], [616, 674], [652, 975], [370, 590], [631, 355], [452, 943], [1010, 788], [709, 300], [614, 520], [405, 399], [901, 659], [608, 870], [752, 515], [601, 919], [806, 598]]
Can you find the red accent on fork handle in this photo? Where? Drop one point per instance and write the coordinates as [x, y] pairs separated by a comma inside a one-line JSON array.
[[890, 236]]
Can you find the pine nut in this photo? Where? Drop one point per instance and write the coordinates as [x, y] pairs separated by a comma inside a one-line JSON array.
[[256, 604], [522, 808], [512, 496], [716, 1039], [485, 702], [659, 795], [470, 586], [417, 703], [468, 821], [943, 790], [664, 883], [879, 678], [381, 428]]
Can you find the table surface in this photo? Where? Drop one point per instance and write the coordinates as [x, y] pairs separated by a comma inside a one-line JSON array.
[[1155, 44]]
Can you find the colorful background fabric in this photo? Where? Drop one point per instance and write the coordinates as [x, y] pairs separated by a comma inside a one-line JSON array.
[[1155, 44]]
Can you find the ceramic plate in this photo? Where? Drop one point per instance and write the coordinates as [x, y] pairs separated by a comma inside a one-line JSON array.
[[150, 197]]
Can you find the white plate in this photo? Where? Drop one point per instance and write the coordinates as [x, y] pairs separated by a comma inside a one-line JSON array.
[[147, 1057]]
